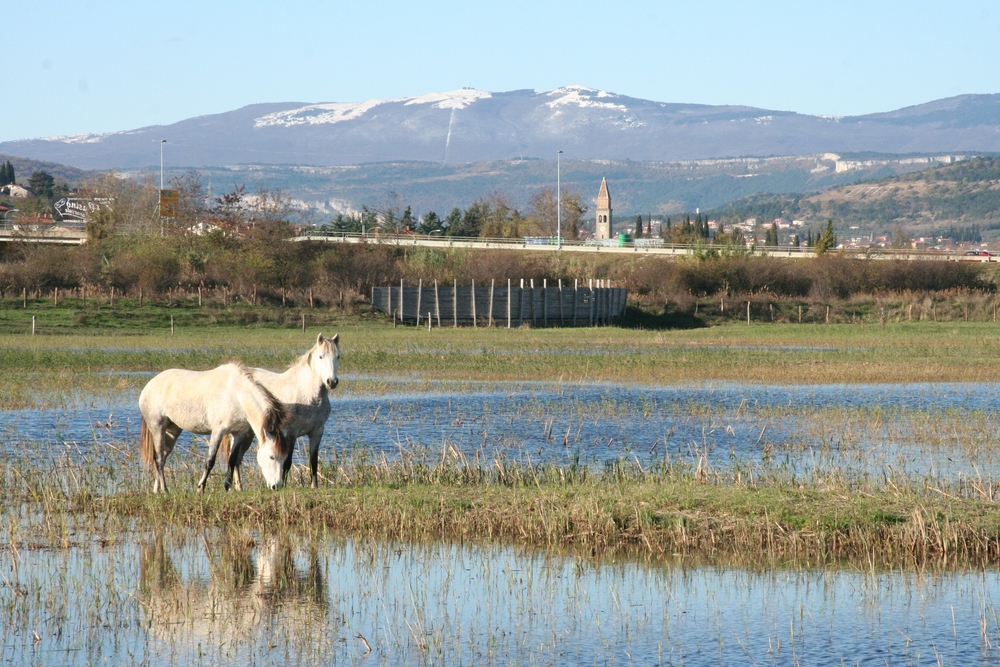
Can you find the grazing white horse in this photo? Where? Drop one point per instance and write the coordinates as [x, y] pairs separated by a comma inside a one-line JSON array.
[[224, 401], [304, 392]]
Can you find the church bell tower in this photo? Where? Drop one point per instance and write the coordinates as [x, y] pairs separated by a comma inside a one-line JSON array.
[[604, 225]]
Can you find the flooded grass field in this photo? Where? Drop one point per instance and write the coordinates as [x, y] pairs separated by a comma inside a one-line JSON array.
[[94, 571], [231, 599], [939, 431]]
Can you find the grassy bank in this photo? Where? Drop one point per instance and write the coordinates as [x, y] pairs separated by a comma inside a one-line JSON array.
[[924, 351], [630, 512], [748, 512]]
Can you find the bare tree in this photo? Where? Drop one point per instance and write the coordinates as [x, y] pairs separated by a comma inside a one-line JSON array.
[[544, 220]]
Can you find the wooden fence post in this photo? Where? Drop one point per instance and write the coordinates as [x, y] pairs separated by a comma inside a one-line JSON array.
[[420, 293], [562, 319], [509, 290], [531, 314], [593, 305], [402, 313], [576, 298], [437, 303], [493, 283], [474, 323], [545, 302], [520, 305]]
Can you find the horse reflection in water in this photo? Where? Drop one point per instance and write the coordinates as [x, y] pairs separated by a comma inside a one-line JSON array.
[[251, 589]]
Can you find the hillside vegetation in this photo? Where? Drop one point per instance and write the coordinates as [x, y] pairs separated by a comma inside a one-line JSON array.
[[921, 203]]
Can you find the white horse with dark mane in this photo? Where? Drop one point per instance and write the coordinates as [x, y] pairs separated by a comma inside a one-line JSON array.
[[225, 401], [304, 392]]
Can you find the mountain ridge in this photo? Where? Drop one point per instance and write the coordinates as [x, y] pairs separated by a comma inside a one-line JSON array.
[[470, 125]]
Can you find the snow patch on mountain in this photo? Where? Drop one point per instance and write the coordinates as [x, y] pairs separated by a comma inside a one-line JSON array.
[[456, 99], [581, 96], [319, 114], [335, 112], [76, 138]]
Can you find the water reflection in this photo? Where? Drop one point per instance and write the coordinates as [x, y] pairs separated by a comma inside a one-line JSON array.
[[229, 587], [212, 598]]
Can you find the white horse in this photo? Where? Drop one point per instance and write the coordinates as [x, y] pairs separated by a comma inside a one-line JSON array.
[[223, 401], [304, 392]]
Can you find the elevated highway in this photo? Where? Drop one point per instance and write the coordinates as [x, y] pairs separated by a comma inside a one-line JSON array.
[[640, 247], [76, 236]]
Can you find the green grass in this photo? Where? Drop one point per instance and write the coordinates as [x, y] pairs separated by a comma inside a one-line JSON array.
[[129, 339]]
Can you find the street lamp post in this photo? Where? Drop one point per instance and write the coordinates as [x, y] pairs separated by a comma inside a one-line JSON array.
[[558, 203], [159, 199], [162, 141]]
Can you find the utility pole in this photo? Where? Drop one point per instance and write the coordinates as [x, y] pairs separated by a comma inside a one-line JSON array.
[[558, 203]]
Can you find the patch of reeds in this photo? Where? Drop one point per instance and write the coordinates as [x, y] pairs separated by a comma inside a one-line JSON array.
[[749, 512]]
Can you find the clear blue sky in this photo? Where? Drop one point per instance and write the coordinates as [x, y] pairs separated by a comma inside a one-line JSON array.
[[104, 66]]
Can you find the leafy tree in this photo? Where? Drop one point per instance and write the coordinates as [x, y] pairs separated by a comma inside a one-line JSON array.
[[430, 224], [827, 240], [7, 174], [771, 237], [453, 221], [638, 226], [407, 222], [350, 224], [497, 218], [42, 184]]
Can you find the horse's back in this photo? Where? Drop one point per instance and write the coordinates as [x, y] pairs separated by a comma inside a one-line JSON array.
[[195, 401]]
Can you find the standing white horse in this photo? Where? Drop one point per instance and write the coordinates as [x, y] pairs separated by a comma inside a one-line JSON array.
[[224, 401], [304, 392]]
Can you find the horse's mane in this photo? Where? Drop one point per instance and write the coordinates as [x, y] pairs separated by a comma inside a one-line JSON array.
[[304, 358], [275, 414]]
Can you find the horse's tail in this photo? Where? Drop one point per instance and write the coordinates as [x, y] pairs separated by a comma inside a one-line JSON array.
[[275, 414], [146, 454]]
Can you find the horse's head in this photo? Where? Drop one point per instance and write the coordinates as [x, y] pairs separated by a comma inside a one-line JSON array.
[[324, 358], [271, 455]]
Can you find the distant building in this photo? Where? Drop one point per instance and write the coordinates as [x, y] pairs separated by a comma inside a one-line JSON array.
[[15, 190], [603, 228]]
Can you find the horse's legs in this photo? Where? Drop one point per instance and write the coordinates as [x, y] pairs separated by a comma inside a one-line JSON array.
[[239, 446], [213, 449], [314, 439], [164, 436], [287, 465]]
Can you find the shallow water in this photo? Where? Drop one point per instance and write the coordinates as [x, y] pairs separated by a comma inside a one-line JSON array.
[[208, 599], [938, 430]]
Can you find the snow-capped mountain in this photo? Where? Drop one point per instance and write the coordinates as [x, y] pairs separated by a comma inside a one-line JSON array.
[[472, 125]]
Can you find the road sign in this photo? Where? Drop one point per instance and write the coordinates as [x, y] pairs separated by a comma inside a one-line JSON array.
[[168, 203]]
